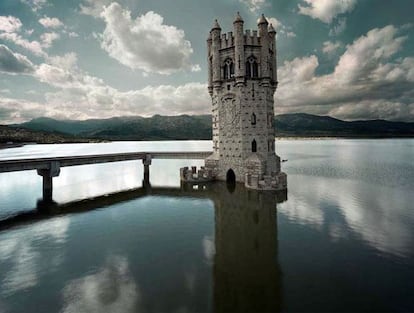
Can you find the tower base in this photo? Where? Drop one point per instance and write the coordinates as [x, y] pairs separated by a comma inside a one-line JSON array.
[[255, 172]]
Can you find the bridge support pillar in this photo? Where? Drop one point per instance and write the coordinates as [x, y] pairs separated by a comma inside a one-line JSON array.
[[147, 162], [48, 174]]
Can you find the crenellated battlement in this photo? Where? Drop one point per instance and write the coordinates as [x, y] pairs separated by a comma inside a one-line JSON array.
[[250, 38], [253, 51]]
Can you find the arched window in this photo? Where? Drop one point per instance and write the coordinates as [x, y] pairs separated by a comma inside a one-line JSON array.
[[253, 119], [254, 145], [252, 68], [228, 69]]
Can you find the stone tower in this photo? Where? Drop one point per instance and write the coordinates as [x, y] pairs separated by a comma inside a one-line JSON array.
[[242, 80]]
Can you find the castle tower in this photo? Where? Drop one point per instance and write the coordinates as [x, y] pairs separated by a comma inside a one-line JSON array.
[[242, 81]]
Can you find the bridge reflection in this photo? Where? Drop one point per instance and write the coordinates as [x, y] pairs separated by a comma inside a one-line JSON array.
[[246, 273]]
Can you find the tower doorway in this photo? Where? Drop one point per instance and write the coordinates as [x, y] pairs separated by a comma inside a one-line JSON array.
[[230, 176]]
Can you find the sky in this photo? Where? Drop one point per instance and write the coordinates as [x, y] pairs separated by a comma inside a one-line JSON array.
[[82, 59]]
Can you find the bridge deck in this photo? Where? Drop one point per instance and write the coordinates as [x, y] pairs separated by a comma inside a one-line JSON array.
[[45, 163]]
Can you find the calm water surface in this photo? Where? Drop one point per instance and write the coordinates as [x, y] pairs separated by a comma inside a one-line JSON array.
[[343, 240]]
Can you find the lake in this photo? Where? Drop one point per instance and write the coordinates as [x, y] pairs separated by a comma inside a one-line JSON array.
[[342, 239]]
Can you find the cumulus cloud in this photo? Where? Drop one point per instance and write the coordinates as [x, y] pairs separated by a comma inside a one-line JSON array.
[[367, 82], [326, 10], [14, 63], [10, 24], [67, 61], [33, 46], [50, 22], [15, 110], [79, 95], [254, 5], [145, 43], [10, 30]]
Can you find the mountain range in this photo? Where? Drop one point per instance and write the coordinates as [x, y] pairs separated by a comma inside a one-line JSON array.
[[198, 127]]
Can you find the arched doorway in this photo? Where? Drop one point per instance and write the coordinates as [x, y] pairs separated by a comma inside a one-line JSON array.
[[230, 176]]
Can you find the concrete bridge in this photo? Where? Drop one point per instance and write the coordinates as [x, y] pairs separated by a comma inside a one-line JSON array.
[[50, 167]]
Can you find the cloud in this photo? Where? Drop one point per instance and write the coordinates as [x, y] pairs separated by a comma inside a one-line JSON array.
[[24, 260], [363, 213], [209, 249], [254, 5], [67, 61], [94, 7], [14, 110], [35, 5], [326, 10], [366, 53], [367, 82], [50, 22], [73, 34], [281, 28], [10, 24], [33, 46], [330, 47], [79, 95], [14, 63], [144, 43], [339, 27], [55, 23], [110, 289], [48, 38], [10, 30]]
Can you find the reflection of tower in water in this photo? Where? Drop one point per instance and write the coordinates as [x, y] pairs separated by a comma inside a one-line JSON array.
[[247, 277]]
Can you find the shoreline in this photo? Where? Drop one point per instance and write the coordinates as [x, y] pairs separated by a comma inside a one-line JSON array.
[[278, 138], [12, 145]]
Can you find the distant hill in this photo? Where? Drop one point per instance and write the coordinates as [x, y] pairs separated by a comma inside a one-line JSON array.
[[130, 128], [10, 136], [199, 127], [308, 125]]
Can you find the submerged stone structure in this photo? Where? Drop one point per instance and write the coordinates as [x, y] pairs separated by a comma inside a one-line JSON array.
[[242, 79]]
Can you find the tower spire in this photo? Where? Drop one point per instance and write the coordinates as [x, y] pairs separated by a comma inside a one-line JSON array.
[[262, 20], [216, 25], [238, 18]]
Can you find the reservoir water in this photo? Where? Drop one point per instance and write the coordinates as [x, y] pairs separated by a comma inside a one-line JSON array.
[[342, 239]]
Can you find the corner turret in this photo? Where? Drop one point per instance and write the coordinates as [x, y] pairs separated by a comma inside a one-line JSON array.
[[265, 62], [239, 49], [215, 58], [272, 47]]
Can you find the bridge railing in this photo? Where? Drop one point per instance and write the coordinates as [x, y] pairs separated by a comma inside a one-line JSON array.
[[49, 167]]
